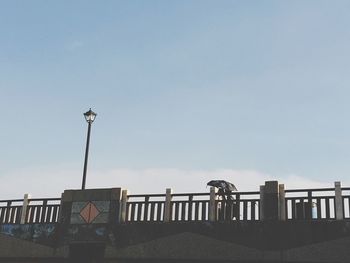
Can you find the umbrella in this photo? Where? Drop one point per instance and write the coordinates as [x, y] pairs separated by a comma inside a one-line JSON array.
[[223, 185]]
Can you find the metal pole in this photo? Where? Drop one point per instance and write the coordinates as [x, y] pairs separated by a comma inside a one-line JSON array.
[[86, 155]]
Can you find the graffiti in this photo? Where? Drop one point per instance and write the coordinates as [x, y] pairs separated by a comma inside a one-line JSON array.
[[38, 233]]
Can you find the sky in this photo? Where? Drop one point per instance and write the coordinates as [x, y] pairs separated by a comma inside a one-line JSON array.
[[186, 91]]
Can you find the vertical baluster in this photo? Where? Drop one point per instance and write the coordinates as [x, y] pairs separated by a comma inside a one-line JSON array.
[[145, 210], [43, 211], [204, 210], [159, 211], [183, 210], [139, 210], [38, 213], [176, 208], [56, 209], [245, 210], [238, 207], [196, 210], [8, 210], [252, 210], [127, 213], [132, 213], [49, 218], [12, 215], [190, 208], [152, 206], [318, 208], [31, 216], [18, 215], [327, 208], [162, 210], [293, 210], [1, 215], [344, 208], [308, 210]]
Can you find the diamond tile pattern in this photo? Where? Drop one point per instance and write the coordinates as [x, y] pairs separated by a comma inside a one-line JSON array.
[[89, 212]]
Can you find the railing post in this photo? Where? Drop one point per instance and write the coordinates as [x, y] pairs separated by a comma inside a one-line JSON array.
[[282, 202], [339, 212], [123, 215], [261, 203], [167, 205], [24, 208], [212, 210], [271, 203]]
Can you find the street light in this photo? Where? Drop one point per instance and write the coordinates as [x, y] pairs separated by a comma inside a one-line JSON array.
[[89, 117]]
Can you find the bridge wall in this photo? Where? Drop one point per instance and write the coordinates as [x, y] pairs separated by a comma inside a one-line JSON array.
[[103, 225], [187, 242]]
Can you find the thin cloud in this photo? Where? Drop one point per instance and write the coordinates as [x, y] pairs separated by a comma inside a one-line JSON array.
[[52, 181], [74, 45]]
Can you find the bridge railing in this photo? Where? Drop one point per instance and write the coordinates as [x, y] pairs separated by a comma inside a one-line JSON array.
[[318, 204], [346, 201], [11, 211], [28, 211], [44, 210], [242, 206], [290, 204], [189, 207], [145, 207]]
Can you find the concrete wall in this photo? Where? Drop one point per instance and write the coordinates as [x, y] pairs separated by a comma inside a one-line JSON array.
[[194, 242]]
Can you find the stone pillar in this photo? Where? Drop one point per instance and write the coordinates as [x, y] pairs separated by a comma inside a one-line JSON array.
[[167, 205], [89, 214], [24, 208], [212, 210], [339, 211], [261, 203], [123, 215], [282, 202], [271, 201]]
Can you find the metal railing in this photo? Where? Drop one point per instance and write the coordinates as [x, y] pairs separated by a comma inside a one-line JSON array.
[[38, 210], [346, 201], [294, 204], [10, 211], [318, 204], [43, 210], [242, 206], [145, 208]]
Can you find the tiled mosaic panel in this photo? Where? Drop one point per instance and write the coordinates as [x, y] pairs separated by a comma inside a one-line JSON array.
[[102, 214]]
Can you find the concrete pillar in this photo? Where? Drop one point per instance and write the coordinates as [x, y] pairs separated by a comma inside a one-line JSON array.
[[271, 203], [167, 205], [261, 203], [24, 208], [123, 215], [282, 202], [212, 210], [339, 213]]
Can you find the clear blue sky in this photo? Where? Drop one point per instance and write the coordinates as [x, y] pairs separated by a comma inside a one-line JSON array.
[[192, 86]]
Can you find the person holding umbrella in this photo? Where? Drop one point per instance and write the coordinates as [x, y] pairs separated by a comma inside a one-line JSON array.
[[225, 189]]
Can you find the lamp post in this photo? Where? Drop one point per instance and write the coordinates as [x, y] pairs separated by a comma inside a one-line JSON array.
[[89, 117]]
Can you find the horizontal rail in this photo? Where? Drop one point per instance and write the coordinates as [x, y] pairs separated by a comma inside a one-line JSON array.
[[145, 195], [33, 210], [309, 190], [11, 201]]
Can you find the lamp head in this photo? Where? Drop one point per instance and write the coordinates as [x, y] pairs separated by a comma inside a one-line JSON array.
[[90, 116]]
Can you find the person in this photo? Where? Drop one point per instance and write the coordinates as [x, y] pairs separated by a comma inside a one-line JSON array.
[[227, 209]]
